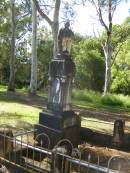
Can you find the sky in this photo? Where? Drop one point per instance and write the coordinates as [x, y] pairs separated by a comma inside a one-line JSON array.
[[86, 21]]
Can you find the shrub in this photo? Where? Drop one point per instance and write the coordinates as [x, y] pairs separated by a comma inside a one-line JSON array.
[[81, 95], [111, 100], [125, 99]]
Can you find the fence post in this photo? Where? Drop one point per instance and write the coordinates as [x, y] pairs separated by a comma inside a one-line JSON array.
[[59, 163], [6, 145], [118, 133]]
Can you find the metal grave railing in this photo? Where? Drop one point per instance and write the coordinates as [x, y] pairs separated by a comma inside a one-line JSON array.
[[20, 153]]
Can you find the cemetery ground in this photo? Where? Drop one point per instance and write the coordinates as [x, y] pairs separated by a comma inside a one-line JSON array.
[[97, 113]]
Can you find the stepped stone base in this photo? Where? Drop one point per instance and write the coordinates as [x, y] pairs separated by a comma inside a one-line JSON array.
[[58, 125]]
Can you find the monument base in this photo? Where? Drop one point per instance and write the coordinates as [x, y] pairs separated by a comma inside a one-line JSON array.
[[57, 126]]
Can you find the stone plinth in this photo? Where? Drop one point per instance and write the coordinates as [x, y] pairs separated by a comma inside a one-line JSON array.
[[64, 126]]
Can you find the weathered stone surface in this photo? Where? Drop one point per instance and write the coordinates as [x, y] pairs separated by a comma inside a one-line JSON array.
[[64, 126], [118, 133], [61, 74]]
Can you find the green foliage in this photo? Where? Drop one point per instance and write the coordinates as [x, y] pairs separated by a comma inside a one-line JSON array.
[[120, 34], [120, 80], [81, 95], [121, 70], [125, 99], [111, 100], [22, 22], [44, 53], [22, 74], [116, 100], [87, 53], [86, 97], [90, 64], [4, 41]]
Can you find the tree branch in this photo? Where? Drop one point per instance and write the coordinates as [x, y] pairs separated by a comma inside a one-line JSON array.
[[99, 12], [114, 58], [110, 16], [101, 18], [42, 13]]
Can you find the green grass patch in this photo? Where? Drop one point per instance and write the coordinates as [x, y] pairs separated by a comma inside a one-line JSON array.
[[11, 113], [16, 108], [3, 88], [111, 102]]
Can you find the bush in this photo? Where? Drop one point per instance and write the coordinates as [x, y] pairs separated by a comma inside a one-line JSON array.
[[81, 95], [125, 99], [111, 100]]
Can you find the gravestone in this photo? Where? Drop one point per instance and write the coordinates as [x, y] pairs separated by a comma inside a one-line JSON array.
[[60, 121]]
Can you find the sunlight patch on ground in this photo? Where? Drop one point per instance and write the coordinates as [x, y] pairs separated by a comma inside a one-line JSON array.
[[13, 112], [97, 125]]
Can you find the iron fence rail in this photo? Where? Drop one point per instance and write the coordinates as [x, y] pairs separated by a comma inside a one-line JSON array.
[[69, 158], [88, 164], [42, 165]]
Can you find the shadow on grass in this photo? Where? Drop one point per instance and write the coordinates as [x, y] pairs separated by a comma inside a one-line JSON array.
[[13, 97]]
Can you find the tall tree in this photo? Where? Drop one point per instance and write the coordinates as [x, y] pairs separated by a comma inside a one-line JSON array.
[[33, 81], [11, 84], [108, 6], [54, 24]]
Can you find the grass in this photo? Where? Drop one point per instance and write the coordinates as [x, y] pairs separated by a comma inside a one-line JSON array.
[[97, 125], [14, 111], [111, 102], [18, 107], [10, 112]]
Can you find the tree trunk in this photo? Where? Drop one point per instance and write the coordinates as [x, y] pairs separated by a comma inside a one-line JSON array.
[[108, 55], [11, 85], [108, 50], [55, 27], [53, 24], [33, 81]]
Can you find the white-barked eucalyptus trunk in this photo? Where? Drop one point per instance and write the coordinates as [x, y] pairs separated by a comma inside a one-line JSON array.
[[33, 80], [108, 50], [55, 27], [53, 24], [108, 55]]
